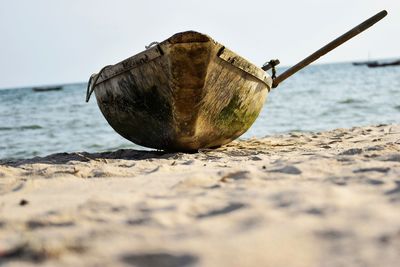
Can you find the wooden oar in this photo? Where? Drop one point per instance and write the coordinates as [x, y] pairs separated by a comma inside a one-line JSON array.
[[329, 47]]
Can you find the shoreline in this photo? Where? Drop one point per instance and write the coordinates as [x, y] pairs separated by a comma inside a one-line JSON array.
[[299, 199]]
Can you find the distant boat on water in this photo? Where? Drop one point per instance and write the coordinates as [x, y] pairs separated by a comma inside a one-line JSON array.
[[362, 63], [377, 64], [383, 64], [47, 88]]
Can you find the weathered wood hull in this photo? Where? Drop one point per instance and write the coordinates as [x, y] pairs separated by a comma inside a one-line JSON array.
[[186, 93]]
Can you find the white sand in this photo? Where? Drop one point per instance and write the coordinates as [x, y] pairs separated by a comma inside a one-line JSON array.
[[324, 199]]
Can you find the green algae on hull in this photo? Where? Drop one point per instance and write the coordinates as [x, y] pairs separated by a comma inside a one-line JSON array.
[[234, 120]]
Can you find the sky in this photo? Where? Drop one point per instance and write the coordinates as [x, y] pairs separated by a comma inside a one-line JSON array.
[[45, 42]]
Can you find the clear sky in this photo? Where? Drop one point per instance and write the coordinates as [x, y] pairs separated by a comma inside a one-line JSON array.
[[63, 41]]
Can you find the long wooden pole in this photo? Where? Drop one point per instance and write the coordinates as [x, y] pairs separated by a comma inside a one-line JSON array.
[[329, 47]]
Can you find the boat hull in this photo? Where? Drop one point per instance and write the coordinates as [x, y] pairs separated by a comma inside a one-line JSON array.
[[186, 93]]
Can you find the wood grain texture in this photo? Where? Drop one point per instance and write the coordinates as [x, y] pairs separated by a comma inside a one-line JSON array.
[[186, 93]]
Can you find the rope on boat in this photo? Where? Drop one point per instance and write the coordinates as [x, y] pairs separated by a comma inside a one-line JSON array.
[[91, 85], [151, 45]]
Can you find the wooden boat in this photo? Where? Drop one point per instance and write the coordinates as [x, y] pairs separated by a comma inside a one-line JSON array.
[[364, 63], [185, 93], [190, 92], [47, 88], [383, 64]]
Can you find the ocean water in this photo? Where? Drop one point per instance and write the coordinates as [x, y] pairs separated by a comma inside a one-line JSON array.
[[320, 97]]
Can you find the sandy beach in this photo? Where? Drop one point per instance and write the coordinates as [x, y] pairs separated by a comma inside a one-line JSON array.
[[300, 199]]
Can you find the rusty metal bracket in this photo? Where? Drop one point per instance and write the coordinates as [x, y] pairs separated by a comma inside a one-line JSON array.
[[271, 65]]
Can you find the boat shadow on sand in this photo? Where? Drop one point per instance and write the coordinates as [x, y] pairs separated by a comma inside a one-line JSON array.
[[63, 158], [233, 149]]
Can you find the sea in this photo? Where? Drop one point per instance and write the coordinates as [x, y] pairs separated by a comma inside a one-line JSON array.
[[318, 98]]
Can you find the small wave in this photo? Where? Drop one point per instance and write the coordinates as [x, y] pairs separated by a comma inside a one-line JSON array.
[[25, 127], [349, 101], [30, 127], [397, 107], [95, 146]]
